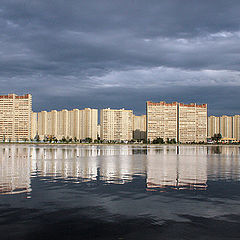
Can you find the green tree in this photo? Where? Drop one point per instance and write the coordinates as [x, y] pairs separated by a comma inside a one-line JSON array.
[[88, 140], [158, 141], [217, 137]]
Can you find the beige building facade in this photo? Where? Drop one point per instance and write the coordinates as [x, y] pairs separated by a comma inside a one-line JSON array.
[[192, 123], [162, 120], [182, 122], [15, 117], [116, 124], [227, 126], [139, 127], [79, 124], [236, 127], [34, 125], [213, 126]]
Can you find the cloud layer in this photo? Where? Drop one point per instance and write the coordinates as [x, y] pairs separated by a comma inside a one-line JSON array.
[[121, 53]]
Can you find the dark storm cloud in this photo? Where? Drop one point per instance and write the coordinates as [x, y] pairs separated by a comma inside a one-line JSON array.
[[106, 53]]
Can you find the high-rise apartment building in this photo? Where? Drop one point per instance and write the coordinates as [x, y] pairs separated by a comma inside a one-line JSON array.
[[139, 127], [187, 122], [236, 127], [63, 123], [90, 121], [34, 125], [201, 122], [213, 126], [226, 126], [182, 122], [15, 117], [116, 124], [53, 123], [162, 120], [80, 124], [192, 123], [42, 124]]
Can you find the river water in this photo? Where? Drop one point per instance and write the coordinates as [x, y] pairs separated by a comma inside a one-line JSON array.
[[119, 192]]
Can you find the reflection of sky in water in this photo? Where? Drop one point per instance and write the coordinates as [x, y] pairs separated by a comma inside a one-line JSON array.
[[162, 167]]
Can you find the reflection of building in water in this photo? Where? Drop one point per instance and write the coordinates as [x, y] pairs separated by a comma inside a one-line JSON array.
[[188, 170], [224, 164], [117, 168], [115, 165], [14, 170], [226, 150], [184, 167]]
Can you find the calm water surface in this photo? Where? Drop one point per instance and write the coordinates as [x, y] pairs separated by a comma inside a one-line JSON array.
[[119, 192]]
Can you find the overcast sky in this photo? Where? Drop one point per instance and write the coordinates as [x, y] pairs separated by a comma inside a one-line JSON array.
[[96, 53]]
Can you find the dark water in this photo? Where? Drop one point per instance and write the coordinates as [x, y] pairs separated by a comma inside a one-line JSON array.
[[119, 192]]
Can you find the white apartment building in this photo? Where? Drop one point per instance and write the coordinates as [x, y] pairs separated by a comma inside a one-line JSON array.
[[236, 127], [116, 124], [79, 124], [15, 117], [227, 126], [162, 120], [213, 126], [192, 122], [179, 121], [34, 125]]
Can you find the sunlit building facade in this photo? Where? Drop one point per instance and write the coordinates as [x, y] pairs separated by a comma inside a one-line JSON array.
[[116, 124], [178, 121], [162, 119], [75, 124], [15, 117], [213, 125], [34, 125], [192, 123], [226, 126], [236, 127]]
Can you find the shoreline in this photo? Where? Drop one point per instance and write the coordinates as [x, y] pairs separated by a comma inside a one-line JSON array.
[[115, 144]]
